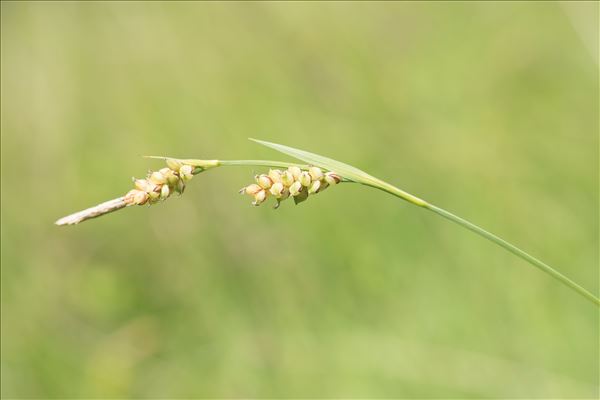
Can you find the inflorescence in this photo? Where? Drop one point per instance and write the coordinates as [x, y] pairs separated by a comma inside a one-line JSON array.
[[159, 185], [292, 182]]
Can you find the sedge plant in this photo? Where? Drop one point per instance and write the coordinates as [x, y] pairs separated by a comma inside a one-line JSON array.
[[297, 181]]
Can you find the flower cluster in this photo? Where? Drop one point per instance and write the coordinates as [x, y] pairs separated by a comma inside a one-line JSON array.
[[292, 182], [159, 185]]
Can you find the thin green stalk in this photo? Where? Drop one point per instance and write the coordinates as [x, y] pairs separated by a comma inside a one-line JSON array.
[[356, 175], [489, 236], [386, 187], [259, 163]]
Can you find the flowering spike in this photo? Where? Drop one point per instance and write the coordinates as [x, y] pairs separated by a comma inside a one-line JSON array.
[[292, 182]]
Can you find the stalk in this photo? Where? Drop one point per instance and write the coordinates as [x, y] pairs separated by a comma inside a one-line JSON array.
[[386, 187], [259, 163], [356, 175]]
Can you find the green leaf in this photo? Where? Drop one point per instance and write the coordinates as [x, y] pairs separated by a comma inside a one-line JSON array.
[[344, 170]]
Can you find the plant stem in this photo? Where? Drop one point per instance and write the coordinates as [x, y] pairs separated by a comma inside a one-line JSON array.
[[259, 163], [386, 187], [489, 236]]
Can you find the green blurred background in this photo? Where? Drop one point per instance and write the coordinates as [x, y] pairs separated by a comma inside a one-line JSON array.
[[487, 109]]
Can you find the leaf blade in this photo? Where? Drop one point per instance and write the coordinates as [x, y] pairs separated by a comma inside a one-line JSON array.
[[346, 171]]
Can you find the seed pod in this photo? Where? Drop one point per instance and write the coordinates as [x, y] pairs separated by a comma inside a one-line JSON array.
[[140, 197], [295, 171], [170, 176], [135, 196], [157, 178], [314, 187], [315, 173], [153, 196], [264, 181], [251, 189], [332, 178], [144, 185], [277, 189], [260, 197], [295, 189], [172, 179], [304, 179], [287, 178], [275, 175], [174, 164], [165, 192], [185, 172]]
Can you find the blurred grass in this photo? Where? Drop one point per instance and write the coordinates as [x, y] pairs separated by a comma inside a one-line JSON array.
[[487, 109]]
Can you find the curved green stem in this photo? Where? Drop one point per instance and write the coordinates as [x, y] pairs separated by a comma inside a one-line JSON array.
[[351, 174], [489, 236]]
